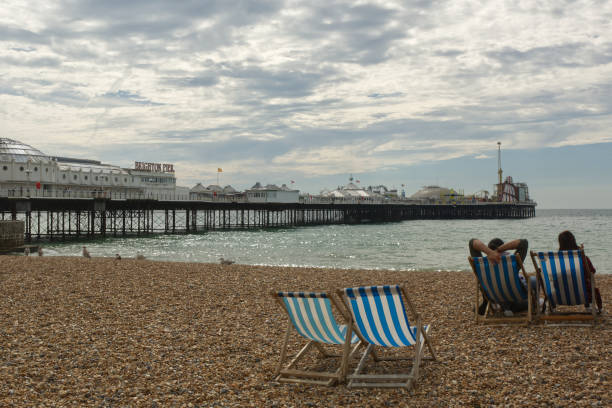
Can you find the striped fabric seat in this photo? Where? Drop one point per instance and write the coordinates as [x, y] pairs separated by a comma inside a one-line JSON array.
[[380, 319], [500, 282], [380, 316], [311, 315], [563, 274]]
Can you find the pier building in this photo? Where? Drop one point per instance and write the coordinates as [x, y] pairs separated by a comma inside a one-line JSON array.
[[272, 193], [27, 172]]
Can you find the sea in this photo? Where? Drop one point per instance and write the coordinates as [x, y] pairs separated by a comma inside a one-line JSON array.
[[408, 245]]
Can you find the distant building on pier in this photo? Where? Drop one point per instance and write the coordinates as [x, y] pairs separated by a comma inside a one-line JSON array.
[[214, 192], [26, 171], [271, 193]]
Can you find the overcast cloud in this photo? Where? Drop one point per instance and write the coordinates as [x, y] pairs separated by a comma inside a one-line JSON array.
[[394, 92]]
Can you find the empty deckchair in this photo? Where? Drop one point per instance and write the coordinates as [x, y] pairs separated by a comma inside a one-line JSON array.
[[310, 314], [562, 276], [380, 319], [501, 285]]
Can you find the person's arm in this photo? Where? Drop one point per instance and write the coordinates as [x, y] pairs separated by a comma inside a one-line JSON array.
[[494, 256], [519, 245], [509, 245]]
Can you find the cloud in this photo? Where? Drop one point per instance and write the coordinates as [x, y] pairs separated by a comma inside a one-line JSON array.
[[28, 49], [122, 97], [388, 95], [201, 80], [20, 36], [43, 62], [278, 83], [351, 33], [571, 55]]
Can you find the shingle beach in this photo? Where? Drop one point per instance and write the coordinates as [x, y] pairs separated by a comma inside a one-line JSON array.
[[101, 332]]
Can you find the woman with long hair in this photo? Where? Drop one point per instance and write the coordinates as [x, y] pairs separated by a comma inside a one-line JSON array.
[[567, 242]]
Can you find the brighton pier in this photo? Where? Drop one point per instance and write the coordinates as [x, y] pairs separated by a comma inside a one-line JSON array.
[[62, 219], [59, 198]]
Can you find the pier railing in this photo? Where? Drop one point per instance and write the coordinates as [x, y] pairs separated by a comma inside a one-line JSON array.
[[80, 194], [164, 196], [22, 193]]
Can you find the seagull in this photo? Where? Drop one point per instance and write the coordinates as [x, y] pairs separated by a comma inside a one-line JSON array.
[[118, 257], [140, 256], [86, 253], [26, 251], [40, 252], [225, 261]]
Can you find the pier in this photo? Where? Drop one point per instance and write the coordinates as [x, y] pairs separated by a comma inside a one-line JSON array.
[[63, 219]]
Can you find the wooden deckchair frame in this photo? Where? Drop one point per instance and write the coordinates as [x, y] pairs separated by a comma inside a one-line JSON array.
[[495, 318], [288, 373], [408, 381], [571, 316]]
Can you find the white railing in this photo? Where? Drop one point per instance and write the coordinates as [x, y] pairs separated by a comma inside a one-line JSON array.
[[221, 198], [358, 200], [83, 194], [342, 200], [398, 200], [118, 195]]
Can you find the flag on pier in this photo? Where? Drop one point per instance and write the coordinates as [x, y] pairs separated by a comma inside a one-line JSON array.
[[219, 170]]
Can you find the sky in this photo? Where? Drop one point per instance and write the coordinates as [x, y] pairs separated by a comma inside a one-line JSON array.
[[400, 93]]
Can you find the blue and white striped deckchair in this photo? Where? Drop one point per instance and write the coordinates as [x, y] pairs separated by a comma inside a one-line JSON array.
[[563, 274], [501, 284], [310, 314], [380, 319]]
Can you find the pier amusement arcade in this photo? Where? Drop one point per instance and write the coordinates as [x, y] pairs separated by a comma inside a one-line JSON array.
[[27, 172]]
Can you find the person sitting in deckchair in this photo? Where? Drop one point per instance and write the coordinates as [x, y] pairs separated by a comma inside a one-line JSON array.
[[567, 242], [494, 250]]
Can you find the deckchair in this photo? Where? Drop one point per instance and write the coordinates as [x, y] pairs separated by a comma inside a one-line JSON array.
[[380, 320], [562, 275], [310, 314], [500, 284]]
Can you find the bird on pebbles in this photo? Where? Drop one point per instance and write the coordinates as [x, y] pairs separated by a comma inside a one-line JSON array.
[[40, 251], [140, 256], [117, 257], [225, 261], [26, 251], [86, 253]]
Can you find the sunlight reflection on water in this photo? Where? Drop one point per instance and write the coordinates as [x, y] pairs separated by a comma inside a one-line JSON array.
[[408, 245]]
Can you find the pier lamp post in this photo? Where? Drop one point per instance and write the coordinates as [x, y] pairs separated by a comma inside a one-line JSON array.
[[499, 172], [27, 172]]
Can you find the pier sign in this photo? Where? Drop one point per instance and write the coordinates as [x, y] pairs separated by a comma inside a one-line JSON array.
[[156, 167]]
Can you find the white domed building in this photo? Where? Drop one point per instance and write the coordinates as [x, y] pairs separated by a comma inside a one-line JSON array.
[[352, 193], [436, 195], [27, 172]]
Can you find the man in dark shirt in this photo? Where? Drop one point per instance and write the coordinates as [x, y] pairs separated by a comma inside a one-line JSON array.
[[494, 250]]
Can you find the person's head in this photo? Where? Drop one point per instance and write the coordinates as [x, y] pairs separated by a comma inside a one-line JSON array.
[[567, 241], [495, 243]]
